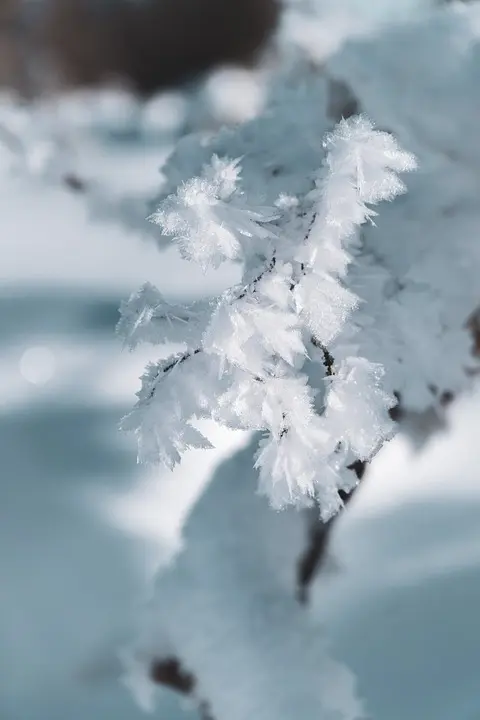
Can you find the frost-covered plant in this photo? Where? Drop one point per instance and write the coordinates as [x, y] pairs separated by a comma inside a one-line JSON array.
[[249, 353], [337, 314]]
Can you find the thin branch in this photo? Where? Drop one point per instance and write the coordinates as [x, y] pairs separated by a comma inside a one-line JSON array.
[[170, 673], [162, 371], [319, 534], [178, 360]]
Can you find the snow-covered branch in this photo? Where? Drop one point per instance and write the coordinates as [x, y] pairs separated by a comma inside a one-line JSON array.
[[246, 350], [148, 317]]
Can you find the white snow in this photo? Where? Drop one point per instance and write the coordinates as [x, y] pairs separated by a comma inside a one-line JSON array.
[[83, 529]]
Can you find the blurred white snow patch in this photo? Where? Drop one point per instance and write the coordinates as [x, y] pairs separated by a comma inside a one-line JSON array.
[[373, 13], [37, 365], [472, 13], [317, 37], [235, 94], [157, 507], [29, 144], [137, 681], [319, 27], [132, 168], [116, 110], [384, 484], [109, 108], [447, 466], [164, 113], [339, 691], [465, 17], [227, 606]]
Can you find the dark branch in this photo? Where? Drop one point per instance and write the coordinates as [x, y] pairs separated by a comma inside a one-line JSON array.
[[319, 535], [170, 673]]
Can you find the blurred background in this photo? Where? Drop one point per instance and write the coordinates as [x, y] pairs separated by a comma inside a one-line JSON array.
[[115, 83]]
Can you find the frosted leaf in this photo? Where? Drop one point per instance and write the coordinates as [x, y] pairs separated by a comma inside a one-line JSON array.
[[242, 404], [359, 169], [326, 256], [324, 304], [224, 174], [249, 334], [274, 404], [173, 393], [277, 330], [329, 501], [297, 468], [207, 217], [356, 407], [355, 145], [195, 218], [163, 439], [288, 403], [275, 287], [286, 476], [230, 335], [297, 460], [148, 317]]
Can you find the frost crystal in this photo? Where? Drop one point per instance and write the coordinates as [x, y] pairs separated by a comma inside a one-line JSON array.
[[247, 349], [207, 218]]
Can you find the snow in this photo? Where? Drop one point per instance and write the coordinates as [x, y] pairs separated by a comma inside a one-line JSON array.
[[83, 530], [249, 357], [401, 612], [227, 606]]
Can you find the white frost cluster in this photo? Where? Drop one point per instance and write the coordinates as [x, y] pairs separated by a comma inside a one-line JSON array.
[[246, 350], [208, 218]]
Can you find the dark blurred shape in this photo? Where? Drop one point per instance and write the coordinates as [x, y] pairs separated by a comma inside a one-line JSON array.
[[151, 44], [11, 61], [473, 324], [170, 673]]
